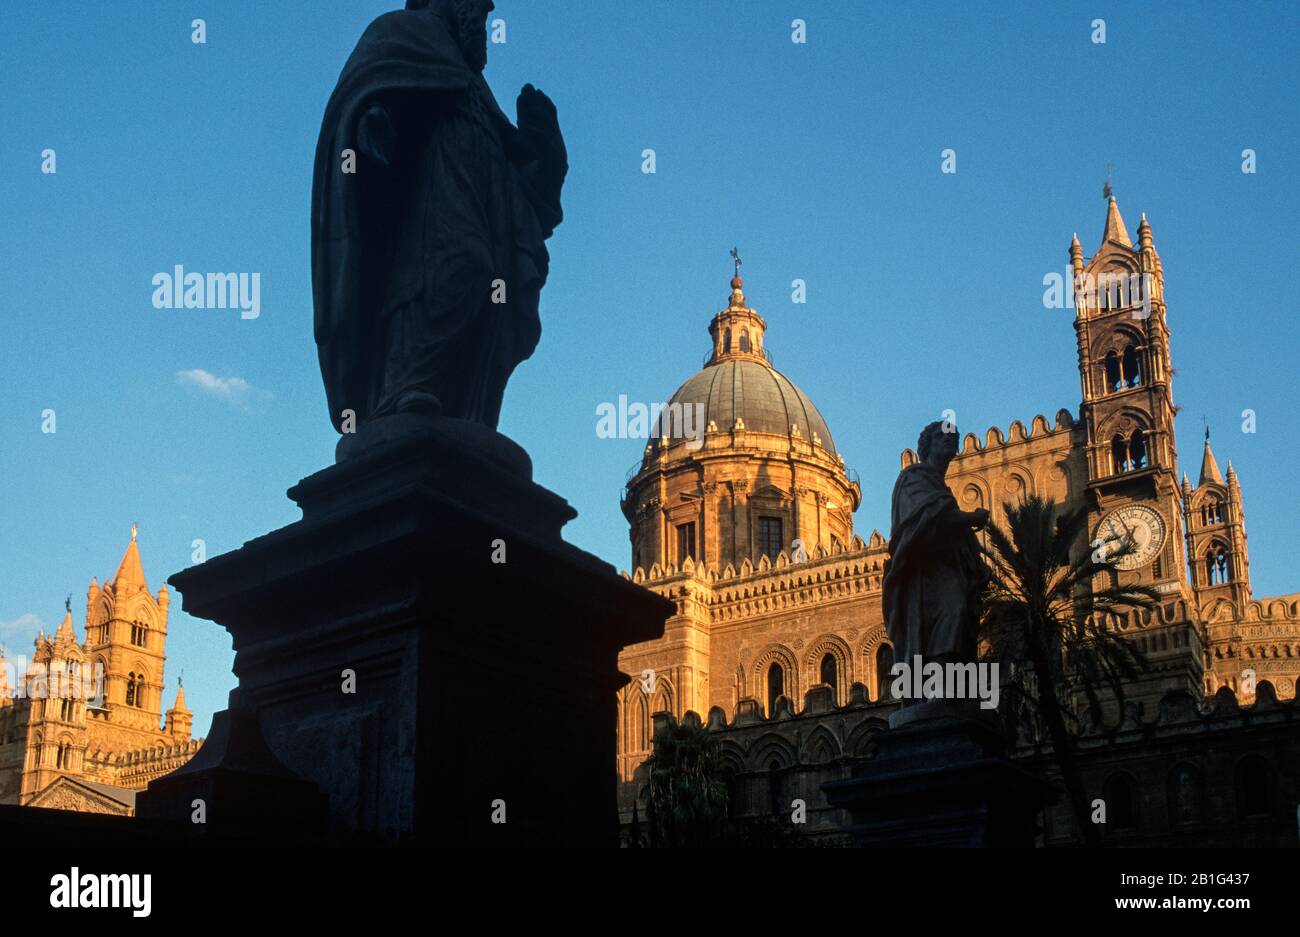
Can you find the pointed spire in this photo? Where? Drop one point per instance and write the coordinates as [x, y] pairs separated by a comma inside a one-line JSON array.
[[1115, 230], [66, 634], [1209, 468], [179, 705], [130, 572]]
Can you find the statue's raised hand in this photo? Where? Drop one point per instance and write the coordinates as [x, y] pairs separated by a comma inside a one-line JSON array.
[[538, 122]]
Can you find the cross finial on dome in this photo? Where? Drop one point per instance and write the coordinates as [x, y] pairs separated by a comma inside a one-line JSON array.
[[737, 284]]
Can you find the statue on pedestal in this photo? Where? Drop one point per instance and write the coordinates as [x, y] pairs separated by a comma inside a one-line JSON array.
[[430, 215], [934, 576]]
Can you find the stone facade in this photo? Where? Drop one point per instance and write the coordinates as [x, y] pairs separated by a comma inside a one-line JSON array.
[[84, 733], [762, 620], [1198, 773]]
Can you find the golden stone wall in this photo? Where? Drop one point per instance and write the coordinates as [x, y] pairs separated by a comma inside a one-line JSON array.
[[739, 612]]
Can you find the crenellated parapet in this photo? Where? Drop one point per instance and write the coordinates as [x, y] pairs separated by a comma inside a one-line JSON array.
[[766, 586], [995, 439], [749, 739], [136, 768]]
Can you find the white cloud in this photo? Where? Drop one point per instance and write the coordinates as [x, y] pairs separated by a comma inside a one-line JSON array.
[[20, 631], [232, 390]]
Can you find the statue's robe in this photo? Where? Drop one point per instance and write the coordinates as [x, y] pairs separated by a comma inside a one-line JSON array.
[[405, 257], [934, 573]]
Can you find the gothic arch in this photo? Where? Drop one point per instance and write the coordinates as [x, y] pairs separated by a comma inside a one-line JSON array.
[[731, 758], [1121, 794], [839, 649], [861, 740], [1215, 563], [636, 724], [664, 696], [1116, 338], [775, 654], [1124, 421], [822, 746], [772, 748]]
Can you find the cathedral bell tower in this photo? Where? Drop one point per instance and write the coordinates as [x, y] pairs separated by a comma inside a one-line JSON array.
[[1215, 521], [126, 635], [1133, 496]]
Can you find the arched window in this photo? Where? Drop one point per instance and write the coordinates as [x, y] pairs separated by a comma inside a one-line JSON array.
[[63, 757], [1121, 811], [1212, 512], [884, 664], [1132, 367], [1137, 450], [138, 634], [744, 339], [1114, 379], [100, 688], [830, 676], [775, 686], [1217, 570], [1118, 455], [726, 341], [130, 689]]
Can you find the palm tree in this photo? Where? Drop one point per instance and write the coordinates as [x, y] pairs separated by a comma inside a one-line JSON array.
[[1050, 609], [687, 798]]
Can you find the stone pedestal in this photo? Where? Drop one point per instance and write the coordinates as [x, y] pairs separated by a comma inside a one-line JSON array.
[[941, 777], [425, 649], [235, 788]]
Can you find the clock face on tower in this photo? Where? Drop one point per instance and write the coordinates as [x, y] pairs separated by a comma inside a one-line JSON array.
[[1134, 524]]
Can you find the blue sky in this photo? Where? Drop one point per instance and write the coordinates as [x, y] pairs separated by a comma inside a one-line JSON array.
[[821, 161]]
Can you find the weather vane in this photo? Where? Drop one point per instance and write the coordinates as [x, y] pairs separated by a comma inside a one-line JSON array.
[[67, 603], [735, 256], [1207, 428], [1106, 190]]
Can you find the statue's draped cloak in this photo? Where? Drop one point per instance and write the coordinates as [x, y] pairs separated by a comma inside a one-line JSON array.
[[934, 571], [403, 259]]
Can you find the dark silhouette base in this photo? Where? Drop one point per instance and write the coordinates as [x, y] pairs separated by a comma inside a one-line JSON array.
[[941, 777], [481, 690]]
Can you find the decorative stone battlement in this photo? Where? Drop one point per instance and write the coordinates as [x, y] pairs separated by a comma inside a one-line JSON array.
[[995, 439], [757, 588], [1177, 711]]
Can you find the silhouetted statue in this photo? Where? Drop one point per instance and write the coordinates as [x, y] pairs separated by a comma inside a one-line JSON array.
[[430, 214], [934, 575]]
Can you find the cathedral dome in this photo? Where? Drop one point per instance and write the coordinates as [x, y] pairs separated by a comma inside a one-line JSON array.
[[745, 467], [752, 391]]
